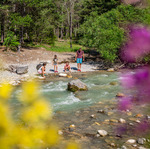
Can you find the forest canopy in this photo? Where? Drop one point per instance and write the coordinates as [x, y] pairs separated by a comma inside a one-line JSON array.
[[101, 25]]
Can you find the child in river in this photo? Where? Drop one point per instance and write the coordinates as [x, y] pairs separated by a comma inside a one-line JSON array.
[[42, 70], [67, 67], [55, 63]]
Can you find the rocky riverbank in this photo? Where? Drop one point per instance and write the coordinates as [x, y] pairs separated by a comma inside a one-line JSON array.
[[30, 58], [102, 126]]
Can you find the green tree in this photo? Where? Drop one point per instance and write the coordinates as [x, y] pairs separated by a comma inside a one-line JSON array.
[[107, 32]]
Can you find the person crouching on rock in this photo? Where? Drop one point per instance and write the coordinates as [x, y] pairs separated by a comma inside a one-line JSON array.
[[67, 67], [42, 69]]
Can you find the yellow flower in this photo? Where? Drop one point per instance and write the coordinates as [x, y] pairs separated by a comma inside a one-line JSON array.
[[5, 91], [39, 110], [51, 135], [30, 92], [23, 137], [72, 145], [5, 123]]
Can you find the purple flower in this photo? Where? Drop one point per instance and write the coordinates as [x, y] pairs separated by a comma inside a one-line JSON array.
[[125, 104], [121, 130], [128, 80], [138, 44], [142, 128], [138, 84]]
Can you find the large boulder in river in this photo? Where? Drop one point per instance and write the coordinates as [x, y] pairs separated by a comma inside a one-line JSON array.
[[77, 85]]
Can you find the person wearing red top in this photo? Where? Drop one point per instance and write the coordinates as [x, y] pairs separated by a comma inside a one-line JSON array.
[[79, 58], [67, 67]]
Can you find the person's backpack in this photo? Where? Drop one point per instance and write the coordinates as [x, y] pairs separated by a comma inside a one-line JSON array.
[[39, 66]]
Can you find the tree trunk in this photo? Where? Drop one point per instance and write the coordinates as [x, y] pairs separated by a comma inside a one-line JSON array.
[[70, 29], [75, 31], [57, 32], [2, 28], [61, 31], [21, 40]]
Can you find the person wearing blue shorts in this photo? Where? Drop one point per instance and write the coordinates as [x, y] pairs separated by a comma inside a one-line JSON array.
[[79, 58]]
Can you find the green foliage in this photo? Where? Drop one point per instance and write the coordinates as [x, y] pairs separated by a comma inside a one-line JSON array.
[[11, 41], [107, 32], [18, 20], [62, 46]]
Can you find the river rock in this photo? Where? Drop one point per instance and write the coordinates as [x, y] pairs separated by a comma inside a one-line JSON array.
[[141, 141], [111, 70], [109, 113], [131, 124], [92, 116], [112, 144], [72, 127], [12, 68], [138, 121], [147, 117], [114, 120], [60, 132], [139, 115], [134, 145], [102, 133], [18, 69], [141, 147], [77, 85], [131, 141], [121, 120], [113, 83], [101, 111], [123, 147], [120, 95], [22, 70], [62, 75]]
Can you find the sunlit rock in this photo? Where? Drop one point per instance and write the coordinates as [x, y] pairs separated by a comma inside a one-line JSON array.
[[77, 85]]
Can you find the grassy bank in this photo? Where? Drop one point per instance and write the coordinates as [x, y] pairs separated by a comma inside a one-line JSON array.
[[62, 46]]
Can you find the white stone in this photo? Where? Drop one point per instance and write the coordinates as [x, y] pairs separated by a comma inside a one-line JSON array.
[[137, 121], [123, 147], [134, 145], [141, 147], [102, 133], [121, 120], [131, 141], [92, 116], [60, 132], [111, 70], [63, 75]]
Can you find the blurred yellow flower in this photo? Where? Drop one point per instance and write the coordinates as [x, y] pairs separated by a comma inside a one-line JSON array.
[[39, 110], [72, 145], [34, 131], [51, 135], [5, 122], [5, 91], [30, 92]]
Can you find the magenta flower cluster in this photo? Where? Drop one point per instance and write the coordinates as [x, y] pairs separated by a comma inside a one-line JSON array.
[[138, 44], [137, 83]]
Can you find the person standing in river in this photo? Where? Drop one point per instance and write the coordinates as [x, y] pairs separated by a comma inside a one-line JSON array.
[[79, 58]]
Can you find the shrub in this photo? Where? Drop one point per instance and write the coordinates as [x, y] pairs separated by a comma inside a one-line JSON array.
[[11, 41]]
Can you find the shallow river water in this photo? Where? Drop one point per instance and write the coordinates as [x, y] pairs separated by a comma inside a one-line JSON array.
[[99, 89]]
